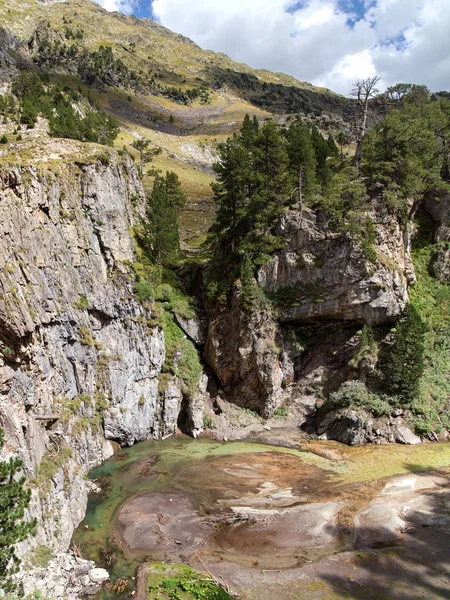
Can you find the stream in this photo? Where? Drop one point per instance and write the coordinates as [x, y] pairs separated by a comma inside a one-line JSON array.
[[278, 517]]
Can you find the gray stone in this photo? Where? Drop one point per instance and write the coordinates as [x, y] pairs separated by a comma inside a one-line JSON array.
[[81, 568], [59, 591], [404, 435], [85, 580], [334, 279], [75, 326], [194, 328], [98, 575]]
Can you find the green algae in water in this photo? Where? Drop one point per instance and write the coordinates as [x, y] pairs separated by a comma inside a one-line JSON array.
[[147, 467], [165, 466], [370, 463]]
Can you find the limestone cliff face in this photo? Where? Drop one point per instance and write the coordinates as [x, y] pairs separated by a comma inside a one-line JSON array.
[[323, 288], [79, 357], [242, 350], [324, 275]]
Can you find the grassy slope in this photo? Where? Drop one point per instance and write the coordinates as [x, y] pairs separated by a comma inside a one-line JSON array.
[[144, 46]]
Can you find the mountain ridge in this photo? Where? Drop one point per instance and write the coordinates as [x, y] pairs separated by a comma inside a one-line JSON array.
[[145, 76]]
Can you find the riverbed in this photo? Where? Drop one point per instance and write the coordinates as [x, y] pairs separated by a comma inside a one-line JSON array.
[[278, 516]]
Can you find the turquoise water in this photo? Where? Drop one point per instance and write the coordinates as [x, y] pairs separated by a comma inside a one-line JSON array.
[[204, 470]]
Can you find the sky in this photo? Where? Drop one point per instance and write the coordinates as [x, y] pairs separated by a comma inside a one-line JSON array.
[[330, 43]]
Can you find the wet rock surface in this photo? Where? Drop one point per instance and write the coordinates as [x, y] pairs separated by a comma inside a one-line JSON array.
[[268, 521]]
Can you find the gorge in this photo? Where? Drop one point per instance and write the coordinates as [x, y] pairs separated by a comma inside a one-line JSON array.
[[281, 326]]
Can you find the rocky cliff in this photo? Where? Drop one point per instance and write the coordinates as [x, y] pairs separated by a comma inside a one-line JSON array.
[[79, 357], [322, 288]]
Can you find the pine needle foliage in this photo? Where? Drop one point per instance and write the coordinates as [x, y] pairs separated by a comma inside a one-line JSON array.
[[14, 499], [404, 364], [161, 237]]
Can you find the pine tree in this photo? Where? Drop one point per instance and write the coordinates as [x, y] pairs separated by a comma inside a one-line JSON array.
[[342, 140], [232, 190], [161, 235], [270, 169], [302, 159], [403, 364], [14, 499], [249, 131], [146, 151], [252, 190], [363, 91], [322, 152], [334, 151]]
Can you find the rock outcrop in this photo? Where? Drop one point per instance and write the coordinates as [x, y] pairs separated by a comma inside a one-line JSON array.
[[242, 350], [79, 357], [65, 576], [321, 275], [356, 427], [322, 288]]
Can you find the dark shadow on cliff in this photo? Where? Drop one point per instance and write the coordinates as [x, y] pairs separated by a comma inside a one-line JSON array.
[[415, 565]]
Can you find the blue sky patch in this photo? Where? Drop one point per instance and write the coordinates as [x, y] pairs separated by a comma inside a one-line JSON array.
[[296, 6], [398, 42]]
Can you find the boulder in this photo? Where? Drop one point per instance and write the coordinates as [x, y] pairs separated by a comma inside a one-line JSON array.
[[404, 435], [98, 575]]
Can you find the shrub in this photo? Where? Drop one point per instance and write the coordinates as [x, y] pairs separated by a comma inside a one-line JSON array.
[[182, 357], [143, 291], [208, 422], [356, 394], [403, 364], [82, 303]]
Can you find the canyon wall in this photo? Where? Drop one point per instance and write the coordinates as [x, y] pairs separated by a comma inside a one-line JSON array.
[[79, 356]]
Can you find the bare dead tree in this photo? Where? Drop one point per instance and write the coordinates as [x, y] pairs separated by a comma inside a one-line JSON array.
[[363, 91]]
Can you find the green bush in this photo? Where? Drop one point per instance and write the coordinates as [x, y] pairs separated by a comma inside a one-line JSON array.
[[179, 582], [177, 301], [281, 412], [82, 303], [356, 394], [143, 291], [182, 357], [208, 423], [403, 362]]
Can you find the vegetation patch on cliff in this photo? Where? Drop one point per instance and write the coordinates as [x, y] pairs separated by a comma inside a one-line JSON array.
[[180, 582], [431, 299]]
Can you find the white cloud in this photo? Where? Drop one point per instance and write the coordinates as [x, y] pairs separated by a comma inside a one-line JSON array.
[[309, 42], [403, 40], [424, 57], [348, 70], [124, 6]]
